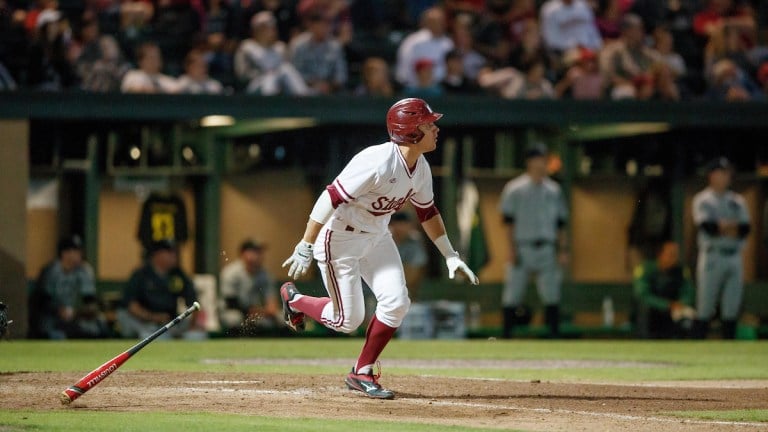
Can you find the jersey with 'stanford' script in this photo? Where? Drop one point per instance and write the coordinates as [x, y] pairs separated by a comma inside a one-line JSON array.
[[376, 183]]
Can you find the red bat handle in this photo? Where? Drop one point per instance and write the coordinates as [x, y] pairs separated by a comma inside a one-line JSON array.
[[89, 381]]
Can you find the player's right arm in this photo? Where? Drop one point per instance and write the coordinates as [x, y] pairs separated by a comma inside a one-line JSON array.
[[298, 263]]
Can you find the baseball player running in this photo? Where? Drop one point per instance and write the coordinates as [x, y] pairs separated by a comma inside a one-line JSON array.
[[348, 236], [723, 222]]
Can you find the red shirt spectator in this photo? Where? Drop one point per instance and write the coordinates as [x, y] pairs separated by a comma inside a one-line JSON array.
[[720, 12]]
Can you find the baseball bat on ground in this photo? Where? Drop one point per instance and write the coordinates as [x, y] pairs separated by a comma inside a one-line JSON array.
[[97, 375]]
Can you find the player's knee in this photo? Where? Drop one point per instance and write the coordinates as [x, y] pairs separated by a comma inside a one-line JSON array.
[[392, 311], [352, 321]]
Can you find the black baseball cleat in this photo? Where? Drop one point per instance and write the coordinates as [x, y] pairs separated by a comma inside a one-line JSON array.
[[294, 320], [368, 384]]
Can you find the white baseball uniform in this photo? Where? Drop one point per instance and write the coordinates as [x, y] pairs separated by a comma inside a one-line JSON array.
[[356, 243]]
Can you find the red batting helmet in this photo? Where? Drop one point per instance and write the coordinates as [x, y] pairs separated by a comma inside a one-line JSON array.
[[404, 118]]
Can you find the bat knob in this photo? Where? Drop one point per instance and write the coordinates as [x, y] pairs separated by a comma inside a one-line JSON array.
[[196, 305], [64, 398]]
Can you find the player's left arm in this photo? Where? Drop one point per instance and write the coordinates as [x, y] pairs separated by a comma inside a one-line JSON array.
[[743, 224], [435, 229]]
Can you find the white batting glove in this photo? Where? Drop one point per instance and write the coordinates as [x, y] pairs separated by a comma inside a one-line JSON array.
[[300, 260], [455, 263]]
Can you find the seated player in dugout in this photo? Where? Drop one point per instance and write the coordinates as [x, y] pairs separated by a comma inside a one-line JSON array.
[[64, 303], [347, 234], [151, 297], [663, 294], [251, 304]]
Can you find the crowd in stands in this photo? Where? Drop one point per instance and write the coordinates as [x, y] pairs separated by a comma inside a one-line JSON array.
[[530, 49]]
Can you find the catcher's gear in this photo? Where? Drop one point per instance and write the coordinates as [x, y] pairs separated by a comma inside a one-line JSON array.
[[300, 260], [455, 263], [405, 117], [4, 319]]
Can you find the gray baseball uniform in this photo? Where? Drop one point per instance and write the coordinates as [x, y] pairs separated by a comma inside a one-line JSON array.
[[537, 211], [719, 270]]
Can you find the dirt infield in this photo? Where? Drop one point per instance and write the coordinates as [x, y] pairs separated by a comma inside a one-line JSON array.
[[546, 406]]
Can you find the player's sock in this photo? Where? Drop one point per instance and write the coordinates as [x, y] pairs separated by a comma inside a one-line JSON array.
[[376, 338], [311, 306]]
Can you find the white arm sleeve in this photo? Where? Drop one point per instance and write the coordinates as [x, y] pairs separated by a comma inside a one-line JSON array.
[[445, 247], [323, 209]]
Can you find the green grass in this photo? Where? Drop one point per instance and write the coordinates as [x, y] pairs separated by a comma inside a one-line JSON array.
[[84, 421], [678, 360], [751, 415]]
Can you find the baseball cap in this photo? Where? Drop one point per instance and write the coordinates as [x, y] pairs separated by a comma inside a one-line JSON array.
[[47, 16], [162, 245], [250, 244], [263, 18], [719, 163], [69, 243], [537, 150]]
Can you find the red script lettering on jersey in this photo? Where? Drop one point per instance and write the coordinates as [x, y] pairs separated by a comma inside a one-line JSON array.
[[385, 205]]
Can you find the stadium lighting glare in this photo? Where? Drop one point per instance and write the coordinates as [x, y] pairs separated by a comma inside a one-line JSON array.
[[217, 121]]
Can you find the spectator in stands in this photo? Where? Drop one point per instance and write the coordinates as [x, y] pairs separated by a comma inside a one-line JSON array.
[[337, 11], [375, 80], [521, 13], [250, 297], [85, 46], [567, 24], [261, 64], [610, 14], [135, 19], [663, 296], [456, 81], [504, 82], [635, 70], [492, 37], [148, 78], [762, 79], [426, 84], [13, 42], [410, 245], [731, 84], [583, 79], [286, 18], [430, 42], [530, 49], [727, 43], [724, 13], [63, 303], [664, 44], [318, 57], [677, 16], [151, 297], [195, 79], [218, 18], [463, 42], [174, 25], [105, 72], [535, 84], [49, 67]]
